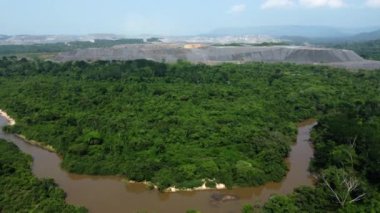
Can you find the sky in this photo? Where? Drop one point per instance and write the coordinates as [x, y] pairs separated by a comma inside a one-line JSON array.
[[178, 17]]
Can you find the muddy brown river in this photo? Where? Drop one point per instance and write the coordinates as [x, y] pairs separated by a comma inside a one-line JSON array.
[[111, 194]]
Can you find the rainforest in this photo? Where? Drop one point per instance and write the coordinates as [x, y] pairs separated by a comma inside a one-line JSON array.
[[185, 124]]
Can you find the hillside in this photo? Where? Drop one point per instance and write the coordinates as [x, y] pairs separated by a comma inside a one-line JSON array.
[[366, 36], [288, 30], [369, 50], [217, 54]]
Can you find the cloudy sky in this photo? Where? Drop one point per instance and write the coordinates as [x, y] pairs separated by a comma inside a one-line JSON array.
[[177, 17]]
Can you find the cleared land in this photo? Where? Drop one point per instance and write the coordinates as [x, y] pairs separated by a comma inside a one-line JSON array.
[[211, 55]]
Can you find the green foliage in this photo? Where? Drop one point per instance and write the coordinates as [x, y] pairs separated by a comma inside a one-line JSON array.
[[248, 208], [280, 204], [192, 211], [248, 173], [175, 124], [93, 138], [346, 141], [335, 182], [20, 191], [153, 39], [368, 49], [352, 136], [78, 149]]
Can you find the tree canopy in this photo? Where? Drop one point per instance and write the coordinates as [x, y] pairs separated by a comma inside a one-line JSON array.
[[175, 124]]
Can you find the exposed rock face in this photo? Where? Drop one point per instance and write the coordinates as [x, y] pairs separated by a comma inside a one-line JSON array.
[[212, 54]]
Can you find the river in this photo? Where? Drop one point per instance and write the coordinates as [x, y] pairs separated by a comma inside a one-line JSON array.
[[112, 194]]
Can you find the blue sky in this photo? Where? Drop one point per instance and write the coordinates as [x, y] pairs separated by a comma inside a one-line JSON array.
[[177, 17]]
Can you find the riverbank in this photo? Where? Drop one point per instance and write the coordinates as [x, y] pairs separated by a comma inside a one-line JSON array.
[[172, 189], [50, 148], [114, 193], [36, 143], [218, 186], [10, 120]]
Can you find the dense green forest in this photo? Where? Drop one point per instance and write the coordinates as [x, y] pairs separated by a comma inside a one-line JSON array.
[[20, 191], [62, 47], [175, 124], [368, 50]]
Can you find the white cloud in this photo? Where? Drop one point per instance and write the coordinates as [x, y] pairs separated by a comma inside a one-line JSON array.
[[373, 3], [238, 8], [306, 3], [276, 3], [323, 3]]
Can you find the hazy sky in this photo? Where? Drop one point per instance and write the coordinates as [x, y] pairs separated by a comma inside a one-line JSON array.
[[177, 17]]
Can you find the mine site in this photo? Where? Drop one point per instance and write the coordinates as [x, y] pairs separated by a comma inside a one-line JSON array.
[[220, 53]]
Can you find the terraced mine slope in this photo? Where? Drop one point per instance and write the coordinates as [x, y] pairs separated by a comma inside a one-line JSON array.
[[212, 54]]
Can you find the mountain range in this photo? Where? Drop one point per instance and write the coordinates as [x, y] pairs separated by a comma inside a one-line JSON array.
[[292, 33], [310, 34]]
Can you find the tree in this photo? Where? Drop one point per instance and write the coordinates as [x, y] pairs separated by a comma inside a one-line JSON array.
[[248, 208], [344, 187], [280, 204]]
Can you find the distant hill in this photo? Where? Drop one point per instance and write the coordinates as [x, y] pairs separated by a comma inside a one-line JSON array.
[[368, 49], [360, 37], [44, 39], [374, 35], [306, 34], [3, 37], [293, 30]]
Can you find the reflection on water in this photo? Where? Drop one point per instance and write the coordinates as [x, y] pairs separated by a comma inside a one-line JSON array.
[[111, 194]]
